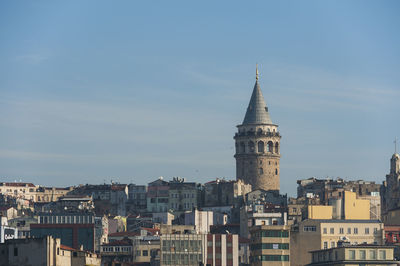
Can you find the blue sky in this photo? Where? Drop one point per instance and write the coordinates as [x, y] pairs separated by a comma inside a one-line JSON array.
[[93, 91]]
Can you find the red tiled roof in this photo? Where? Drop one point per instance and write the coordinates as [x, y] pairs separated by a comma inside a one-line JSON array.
[[154, 231], [67, 248]]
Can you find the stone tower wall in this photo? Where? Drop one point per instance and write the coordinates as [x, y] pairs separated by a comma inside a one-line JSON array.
[[257, 156]]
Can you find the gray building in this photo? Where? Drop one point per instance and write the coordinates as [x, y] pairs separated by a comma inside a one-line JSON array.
[[137, 198]]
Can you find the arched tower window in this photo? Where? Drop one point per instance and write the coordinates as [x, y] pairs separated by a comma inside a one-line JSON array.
[[276, 147], [260, 146], [242, 147], [270, 147], [251, 146], [276, 171]]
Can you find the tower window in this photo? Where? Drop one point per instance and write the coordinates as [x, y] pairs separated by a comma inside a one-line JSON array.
[[260, 146], [261, 171], [251, 146], [276, 171], [276, 147], [270, 146]]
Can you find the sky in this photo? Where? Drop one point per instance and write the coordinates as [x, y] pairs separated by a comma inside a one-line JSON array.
[[128, 91]]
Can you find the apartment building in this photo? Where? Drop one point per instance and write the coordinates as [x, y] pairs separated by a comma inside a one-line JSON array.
[[269, 245], [44, 251], [315, 234], [354, 255], [74, 229], [200, 249]]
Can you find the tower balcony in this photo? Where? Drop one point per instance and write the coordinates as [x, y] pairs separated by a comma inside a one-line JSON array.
[[259, 133]]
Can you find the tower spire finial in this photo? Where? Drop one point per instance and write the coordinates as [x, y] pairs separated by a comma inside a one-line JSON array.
[[256, 71]]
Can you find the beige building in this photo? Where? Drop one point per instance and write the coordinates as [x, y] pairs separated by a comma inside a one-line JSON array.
[[311, 235], [257, 145], [371, 255], [32, 192], [145, 248], [45, 251], [269, 245]]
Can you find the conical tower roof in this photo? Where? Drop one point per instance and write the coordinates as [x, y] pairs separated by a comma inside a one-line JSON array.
[[257, 111]]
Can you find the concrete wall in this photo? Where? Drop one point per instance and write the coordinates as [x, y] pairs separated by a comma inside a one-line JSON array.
[[319, 212], [355, 208]]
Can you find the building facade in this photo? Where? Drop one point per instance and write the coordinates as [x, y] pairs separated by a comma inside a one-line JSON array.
[[269, 245], [74, 229], [354, 255], [158, 196], [200, 249], [183, 196], [257, 145], [46, 251], [318, 234]]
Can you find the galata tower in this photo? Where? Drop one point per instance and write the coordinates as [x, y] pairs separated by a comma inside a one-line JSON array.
[[257, 145]]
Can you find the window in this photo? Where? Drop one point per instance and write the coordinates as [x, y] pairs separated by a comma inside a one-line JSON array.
[[341, 230], [270, 146], [367, 231], [355, 230], [375, 230], [349, 231], [275, 233], [362, 254], [309, 228], [325, 231], [372, 255], [145, 253], [382, 254], [332, 231], [325, 245], [352, 254], [260, 147], [261, 171], [332, 244]]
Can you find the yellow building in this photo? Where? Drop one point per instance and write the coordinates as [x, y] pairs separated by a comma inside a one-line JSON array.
[[319, 212], [372, 255], [270, 245], [355, 208], [314, 234], [349, 208]]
